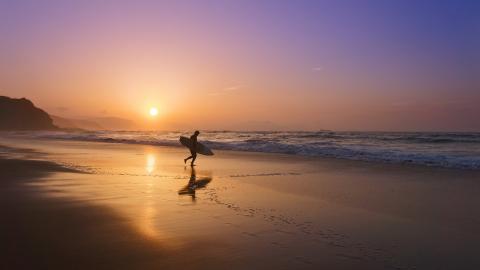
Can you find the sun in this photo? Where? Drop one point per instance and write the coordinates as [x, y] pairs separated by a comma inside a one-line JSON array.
[[153, 111]]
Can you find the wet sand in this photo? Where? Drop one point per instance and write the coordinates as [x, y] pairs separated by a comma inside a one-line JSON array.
[[81, 205]]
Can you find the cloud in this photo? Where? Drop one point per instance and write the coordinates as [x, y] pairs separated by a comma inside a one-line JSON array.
[[232, 88], [226, 90], [318, 69]]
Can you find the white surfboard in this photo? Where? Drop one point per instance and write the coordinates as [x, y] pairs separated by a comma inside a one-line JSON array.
[[201, 149]]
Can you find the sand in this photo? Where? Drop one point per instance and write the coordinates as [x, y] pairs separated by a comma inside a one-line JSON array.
[[84, 205]]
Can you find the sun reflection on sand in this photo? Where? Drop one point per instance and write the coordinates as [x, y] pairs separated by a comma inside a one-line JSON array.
[[151, 160], [146, 224], [148, 213]]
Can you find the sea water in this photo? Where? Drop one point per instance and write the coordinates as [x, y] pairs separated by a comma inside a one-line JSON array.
[[451, 150]]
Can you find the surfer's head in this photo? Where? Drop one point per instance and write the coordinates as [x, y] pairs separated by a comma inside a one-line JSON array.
[[197, 132]]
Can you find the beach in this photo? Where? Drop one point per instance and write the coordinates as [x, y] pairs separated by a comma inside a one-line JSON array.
[[82, 205]]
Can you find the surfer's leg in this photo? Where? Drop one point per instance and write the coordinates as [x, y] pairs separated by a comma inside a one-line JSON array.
[[185, 160], [194, 156]]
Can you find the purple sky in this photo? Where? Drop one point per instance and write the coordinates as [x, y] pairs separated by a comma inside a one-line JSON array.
[[344, 65]]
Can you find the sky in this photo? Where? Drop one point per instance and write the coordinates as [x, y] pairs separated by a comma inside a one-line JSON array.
[[239, 65]]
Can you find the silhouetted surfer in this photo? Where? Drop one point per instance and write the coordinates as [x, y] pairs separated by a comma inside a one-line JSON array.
[[193, 148]]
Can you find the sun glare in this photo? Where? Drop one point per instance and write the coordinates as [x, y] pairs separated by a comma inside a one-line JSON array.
[[153, 111]]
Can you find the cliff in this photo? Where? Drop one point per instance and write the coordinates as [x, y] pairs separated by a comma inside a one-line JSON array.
[[21, 114]]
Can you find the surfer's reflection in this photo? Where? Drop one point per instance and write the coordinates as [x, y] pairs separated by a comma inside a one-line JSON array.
[[194, 184]]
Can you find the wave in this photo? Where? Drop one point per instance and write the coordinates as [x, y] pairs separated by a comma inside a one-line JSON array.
[[450, 150], [356, 153]]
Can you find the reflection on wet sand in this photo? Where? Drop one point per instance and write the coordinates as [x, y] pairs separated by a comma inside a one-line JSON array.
[[194, 184], [149, 213], [151, 160]]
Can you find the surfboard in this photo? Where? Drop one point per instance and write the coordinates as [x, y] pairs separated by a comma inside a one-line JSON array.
[[201, 149]]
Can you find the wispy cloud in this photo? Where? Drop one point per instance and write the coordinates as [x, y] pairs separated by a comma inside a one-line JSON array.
[[226, 90], [318, 68], [233, 88]]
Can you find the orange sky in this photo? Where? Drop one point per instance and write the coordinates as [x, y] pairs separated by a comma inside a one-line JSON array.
[[223, 65]]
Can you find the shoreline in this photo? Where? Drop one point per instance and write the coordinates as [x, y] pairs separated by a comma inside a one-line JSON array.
[[249, 154], [442, 150], [293, 212]]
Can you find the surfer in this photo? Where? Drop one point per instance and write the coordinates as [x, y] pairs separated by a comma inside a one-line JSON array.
[[193, 148]]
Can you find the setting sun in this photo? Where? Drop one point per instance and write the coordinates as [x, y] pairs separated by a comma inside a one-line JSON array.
[[254, 134], [153, 111]]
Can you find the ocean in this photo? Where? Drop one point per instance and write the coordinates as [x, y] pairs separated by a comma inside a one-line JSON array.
[[449, 150]]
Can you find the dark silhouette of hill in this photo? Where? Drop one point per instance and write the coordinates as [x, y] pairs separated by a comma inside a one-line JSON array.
[[21, 114]]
